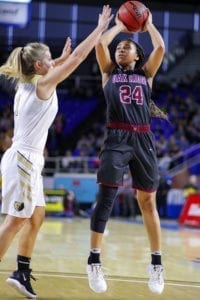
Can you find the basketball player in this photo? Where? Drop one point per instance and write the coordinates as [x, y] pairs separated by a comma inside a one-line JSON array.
[[128, 142], [35, 107]]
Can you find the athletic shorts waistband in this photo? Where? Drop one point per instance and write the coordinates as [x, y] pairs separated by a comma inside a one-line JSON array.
[[129, 127]]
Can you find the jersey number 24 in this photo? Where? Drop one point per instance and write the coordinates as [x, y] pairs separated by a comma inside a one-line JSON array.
[[127, 95]]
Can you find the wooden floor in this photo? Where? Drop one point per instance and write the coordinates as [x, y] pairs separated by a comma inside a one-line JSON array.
[[61, 252]]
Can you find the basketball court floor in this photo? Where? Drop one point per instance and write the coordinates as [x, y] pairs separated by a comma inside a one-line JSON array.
[[62, 248]]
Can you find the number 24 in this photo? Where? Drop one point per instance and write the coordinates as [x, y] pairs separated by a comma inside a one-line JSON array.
[[127, 95]]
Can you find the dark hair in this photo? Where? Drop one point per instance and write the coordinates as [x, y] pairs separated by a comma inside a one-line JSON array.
[[140, 53]]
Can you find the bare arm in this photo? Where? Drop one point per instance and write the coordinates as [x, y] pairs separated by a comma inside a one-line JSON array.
[[47, 84], [65, 53], [155, 59], [104, 60]]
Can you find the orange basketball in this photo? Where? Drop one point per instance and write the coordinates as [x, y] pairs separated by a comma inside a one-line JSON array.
[[133, 14]]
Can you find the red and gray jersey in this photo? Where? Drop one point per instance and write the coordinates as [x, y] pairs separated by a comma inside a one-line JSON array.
[[127, 94]]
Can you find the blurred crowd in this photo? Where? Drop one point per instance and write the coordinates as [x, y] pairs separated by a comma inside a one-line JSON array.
[[78, 151], [180, 101]]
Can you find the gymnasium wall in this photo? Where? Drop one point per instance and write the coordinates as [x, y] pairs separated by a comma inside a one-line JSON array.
[[52, 22]]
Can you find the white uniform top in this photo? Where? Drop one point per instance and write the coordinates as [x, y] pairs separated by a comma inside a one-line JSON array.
[[22, 163], [32, 118]]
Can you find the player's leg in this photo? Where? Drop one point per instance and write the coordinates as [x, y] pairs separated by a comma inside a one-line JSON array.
[[109, 177], [144, 170], [29, 232], [147, 204], [8, 229], [99, 219], [20, 278]]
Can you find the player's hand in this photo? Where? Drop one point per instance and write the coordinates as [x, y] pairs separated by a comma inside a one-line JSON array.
[[119, 23], [148, 21], [65, 53], [105, 17], [67, 49]]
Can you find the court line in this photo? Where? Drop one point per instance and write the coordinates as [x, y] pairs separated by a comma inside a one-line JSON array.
[[110, 278]]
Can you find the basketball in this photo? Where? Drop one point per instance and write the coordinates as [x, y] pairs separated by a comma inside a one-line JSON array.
[[133, 14]]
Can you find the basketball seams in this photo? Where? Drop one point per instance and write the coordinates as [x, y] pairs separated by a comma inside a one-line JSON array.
[[133, 14], [130, 13]]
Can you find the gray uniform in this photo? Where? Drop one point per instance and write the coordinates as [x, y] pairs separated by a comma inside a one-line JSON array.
[[128, 139]]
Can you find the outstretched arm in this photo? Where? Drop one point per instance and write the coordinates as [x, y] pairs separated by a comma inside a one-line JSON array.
[[104, 60], [47, 84], [65, 53]]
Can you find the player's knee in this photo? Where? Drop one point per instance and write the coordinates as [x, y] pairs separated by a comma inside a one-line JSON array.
[[103, 208], [147, 202]]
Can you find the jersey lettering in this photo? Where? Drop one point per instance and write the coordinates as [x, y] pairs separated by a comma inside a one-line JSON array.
[[127, 95]]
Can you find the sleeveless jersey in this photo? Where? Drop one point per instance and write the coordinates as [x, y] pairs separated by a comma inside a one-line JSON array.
[[32, 118], [127, 94]]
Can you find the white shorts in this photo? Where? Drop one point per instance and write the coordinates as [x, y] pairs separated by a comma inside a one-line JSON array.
[[22, 184]]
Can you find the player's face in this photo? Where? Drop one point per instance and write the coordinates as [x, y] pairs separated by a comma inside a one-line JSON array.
[[46, 64], [126, 53]]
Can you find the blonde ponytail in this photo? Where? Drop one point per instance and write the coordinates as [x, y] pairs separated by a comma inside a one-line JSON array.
[[12, 67], [20, 63]]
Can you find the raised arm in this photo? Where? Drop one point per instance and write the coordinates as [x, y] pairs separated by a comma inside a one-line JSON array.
[[65, 53], [48, 83], [104, 60], [155, 59]]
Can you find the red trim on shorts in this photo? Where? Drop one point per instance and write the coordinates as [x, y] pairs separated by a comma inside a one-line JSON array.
[[129, 127], [143, 190], [110, 184], [133, 187]]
